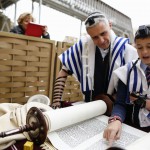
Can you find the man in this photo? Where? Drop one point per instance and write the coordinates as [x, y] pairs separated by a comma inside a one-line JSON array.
[[133, 79], [93, 59]]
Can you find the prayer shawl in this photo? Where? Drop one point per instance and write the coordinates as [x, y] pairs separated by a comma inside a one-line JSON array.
[[137, 83], [137, 80], [80, 59]]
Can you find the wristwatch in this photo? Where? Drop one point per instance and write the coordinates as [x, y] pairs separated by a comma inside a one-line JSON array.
[[114, 118]]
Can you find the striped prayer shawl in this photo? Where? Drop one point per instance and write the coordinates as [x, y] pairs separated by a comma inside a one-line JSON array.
[[133, 77], [118, 54], [134, 80], [77, 59]]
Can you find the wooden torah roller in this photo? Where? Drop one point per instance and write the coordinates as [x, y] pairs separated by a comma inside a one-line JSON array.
[[36, 126]]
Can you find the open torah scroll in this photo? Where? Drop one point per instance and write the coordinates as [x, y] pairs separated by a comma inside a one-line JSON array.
[[81, 127]]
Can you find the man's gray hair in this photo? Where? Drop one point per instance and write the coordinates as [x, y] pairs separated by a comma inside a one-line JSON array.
[[94, 18]]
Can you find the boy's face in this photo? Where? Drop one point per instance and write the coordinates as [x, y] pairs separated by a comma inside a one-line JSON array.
[[100, 34], [143, 49]]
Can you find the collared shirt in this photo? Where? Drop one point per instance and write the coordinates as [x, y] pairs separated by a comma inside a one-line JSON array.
[[104, 52], [143, 66], [144, 114]]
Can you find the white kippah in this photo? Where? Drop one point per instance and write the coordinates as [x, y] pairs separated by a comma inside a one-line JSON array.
[[95, 18]]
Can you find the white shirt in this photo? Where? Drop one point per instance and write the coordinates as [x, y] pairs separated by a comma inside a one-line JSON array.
[[104, 52]]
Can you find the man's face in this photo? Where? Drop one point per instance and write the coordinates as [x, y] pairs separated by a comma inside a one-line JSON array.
[[143, 49], [100, 33]]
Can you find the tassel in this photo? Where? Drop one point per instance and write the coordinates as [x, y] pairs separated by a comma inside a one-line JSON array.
[[47, 146]]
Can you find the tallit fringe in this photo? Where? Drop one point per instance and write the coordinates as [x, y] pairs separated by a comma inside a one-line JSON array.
[[47, 146]]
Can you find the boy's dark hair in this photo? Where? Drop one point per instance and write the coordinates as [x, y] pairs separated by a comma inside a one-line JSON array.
[[142, 32]]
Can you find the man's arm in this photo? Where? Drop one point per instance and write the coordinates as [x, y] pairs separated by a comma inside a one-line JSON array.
[[45, 34], [59, 87]]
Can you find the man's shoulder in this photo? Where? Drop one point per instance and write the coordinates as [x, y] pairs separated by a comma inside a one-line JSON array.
[[119, 41], [126, 41], [86, 37], [86, 40], [119, 38]]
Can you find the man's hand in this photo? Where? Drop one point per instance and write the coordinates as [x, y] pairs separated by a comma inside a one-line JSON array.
[[56, 104], [58, 89], [45, 30], [112, 132]]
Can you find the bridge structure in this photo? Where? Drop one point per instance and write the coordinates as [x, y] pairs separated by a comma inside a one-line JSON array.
[[80, 9]]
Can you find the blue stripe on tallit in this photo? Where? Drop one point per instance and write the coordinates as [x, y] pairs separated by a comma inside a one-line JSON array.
[[78, 55], [87, 87], [141, 88], [69, 64], [75, 63], [116, 46], [135, 79], [123, 62], [63, 58], [122, 58], [81, 46], [81, 79], [119, 51]]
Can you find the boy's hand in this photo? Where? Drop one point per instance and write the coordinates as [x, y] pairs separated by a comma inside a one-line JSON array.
[[112, 132]]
